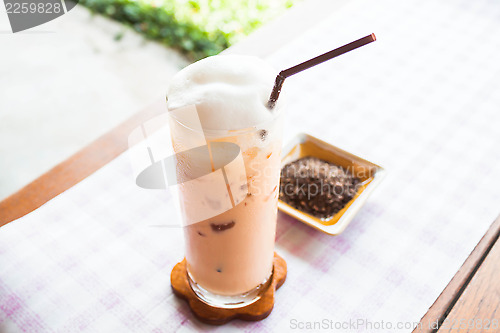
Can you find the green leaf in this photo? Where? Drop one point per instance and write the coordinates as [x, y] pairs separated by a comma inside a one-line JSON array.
[[197, 28]]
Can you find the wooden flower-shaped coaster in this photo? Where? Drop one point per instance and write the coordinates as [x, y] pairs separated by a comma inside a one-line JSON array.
[[218, 316]]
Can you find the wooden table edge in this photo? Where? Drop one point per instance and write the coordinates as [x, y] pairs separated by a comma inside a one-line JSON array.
[[76, 168], [478, 308], [443, 305]]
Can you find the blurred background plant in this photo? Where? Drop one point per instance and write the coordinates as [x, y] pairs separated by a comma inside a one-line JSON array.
[[197, 28]]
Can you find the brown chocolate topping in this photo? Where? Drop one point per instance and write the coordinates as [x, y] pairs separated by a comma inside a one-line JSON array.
[[222, 226]]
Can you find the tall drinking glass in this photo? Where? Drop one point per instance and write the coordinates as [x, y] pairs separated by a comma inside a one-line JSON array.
[[228, 190]]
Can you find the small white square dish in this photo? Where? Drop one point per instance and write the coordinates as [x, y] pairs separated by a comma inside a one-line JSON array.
[[368, 173]]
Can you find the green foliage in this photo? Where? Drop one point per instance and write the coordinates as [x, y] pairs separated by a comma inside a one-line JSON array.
[[198, 28]]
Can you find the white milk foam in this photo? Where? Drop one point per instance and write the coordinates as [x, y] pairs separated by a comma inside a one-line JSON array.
[[230, 91]]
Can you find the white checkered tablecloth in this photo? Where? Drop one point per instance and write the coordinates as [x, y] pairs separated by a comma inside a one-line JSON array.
[[423, 101]]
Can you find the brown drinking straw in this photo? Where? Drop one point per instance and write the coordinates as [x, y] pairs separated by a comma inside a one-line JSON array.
[[280, 79]]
